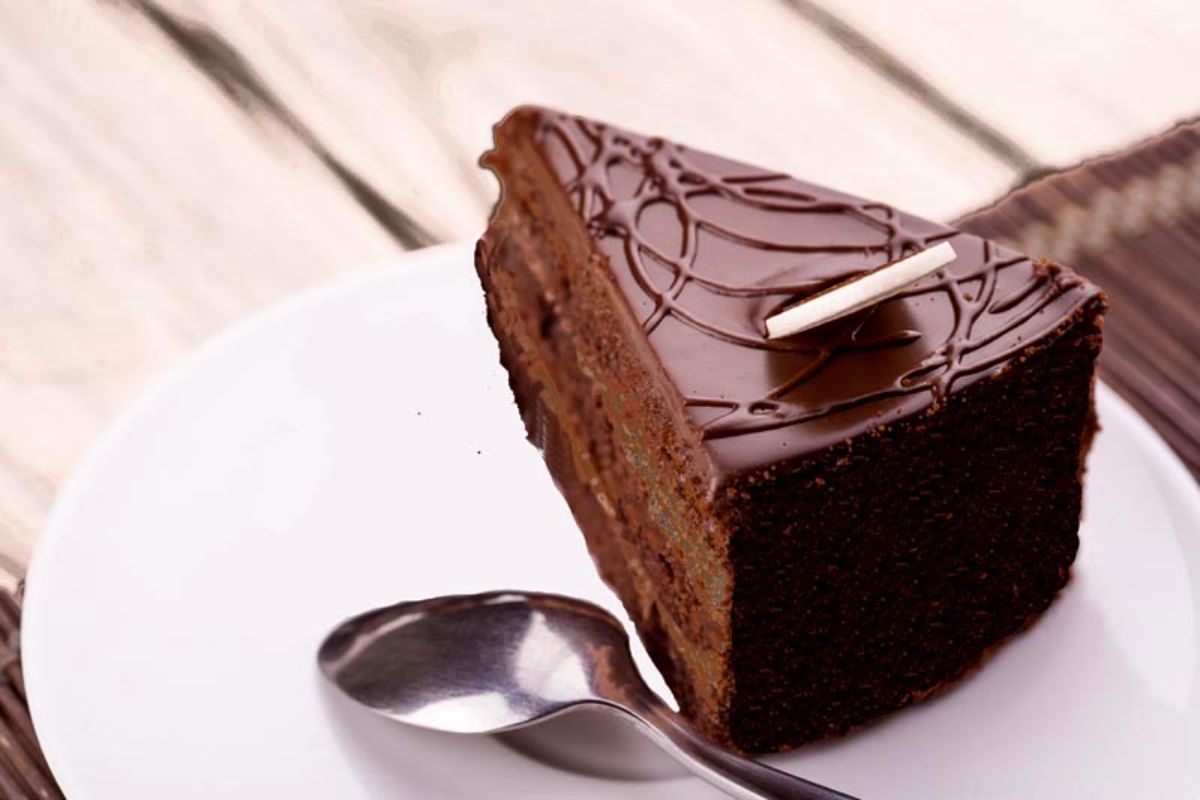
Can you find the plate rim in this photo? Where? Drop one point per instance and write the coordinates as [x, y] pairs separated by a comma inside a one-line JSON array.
[[1169, 468]]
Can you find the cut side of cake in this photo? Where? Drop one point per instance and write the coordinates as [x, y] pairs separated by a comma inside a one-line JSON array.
[[811, 531]]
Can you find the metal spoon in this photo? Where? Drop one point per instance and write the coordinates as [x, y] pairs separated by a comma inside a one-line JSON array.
[[492, 662]]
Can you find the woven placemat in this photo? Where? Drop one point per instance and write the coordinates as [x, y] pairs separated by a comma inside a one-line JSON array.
[[1130, 222], [23, 771]]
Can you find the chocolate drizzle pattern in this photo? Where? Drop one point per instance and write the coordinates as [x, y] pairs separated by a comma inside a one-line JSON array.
[[988, 323]]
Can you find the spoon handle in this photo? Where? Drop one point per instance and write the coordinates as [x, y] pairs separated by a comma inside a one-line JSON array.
[[739, 777]]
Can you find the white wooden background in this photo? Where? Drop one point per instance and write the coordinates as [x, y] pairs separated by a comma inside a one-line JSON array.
[[167, 166]]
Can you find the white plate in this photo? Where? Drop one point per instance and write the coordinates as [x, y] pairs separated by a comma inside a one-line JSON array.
[[358, 445]]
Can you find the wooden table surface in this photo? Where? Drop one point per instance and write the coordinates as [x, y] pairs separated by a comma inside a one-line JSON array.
[[167, 167]]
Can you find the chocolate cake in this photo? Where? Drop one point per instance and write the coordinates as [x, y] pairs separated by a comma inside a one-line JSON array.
[[812, 531]]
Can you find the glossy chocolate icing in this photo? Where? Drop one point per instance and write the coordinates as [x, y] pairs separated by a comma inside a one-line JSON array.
[[705, 248]]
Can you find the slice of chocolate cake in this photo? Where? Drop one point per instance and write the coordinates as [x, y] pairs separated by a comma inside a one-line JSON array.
[[810, 531]]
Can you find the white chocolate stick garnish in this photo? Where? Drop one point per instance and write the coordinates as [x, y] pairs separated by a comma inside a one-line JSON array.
[[859, 292]]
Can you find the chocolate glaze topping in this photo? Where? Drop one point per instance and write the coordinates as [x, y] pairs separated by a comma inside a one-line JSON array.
[[705, 249]]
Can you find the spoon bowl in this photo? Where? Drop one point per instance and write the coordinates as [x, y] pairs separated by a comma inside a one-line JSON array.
[[540, 655]]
